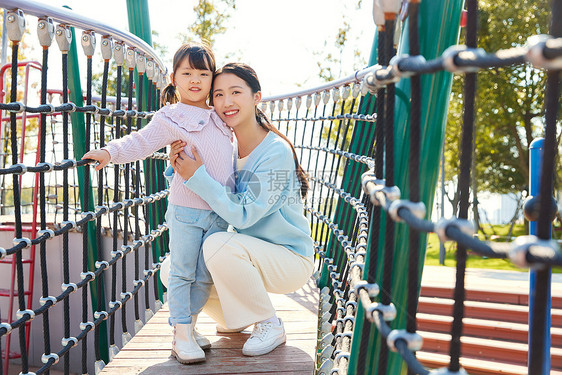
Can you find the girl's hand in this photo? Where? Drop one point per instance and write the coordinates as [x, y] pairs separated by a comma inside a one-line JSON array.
[[175, 149], [186, 166], [101, 156]]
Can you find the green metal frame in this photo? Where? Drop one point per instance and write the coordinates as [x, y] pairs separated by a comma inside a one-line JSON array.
[[139, 24]]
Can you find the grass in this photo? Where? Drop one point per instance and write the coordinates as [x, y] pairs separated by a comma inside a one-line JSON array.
[[473, 260], [495, 233]]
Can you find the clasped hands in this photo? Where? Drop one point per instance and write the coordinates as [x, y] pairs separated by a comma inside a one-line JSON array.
[[181, 162]]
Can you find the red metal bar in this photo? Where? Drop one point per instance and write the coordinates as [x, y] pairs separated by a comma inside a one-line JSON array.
[[28, 66]]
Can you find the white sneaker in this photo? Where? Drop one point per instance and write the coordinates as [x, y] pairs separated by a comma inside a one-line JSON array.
[[184, 346], [201, 340], [221, 329], [264, 338]]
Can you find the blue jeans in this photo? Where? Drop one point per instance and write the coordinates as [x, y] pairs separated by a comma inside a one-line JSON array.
[[189, 281]]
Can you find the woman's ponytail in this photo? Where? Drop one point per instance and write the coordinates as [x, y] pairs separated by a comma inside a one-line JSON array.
[[169, 95], [264, 122]]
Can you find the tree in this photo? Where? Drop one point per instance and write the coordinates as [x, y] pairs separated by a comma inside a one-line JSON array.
[[330, 63], [210, 19], [330, 58], [509, 103]]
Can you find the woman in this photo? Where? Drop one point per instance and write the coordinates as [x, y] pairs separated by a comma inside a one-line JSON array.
[[271, 249]]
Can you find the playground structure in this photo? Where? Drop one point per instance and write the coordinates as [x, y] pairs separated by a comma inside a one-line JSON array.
[[349, 134]]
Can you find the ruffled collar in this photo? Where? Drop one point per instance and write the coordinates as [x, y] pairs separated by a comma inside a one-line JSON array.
[[193, 118]]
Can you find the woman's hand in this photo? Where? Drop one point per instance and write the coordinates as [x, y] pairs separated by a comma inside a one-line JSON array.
[[101, 156], [186, 166]]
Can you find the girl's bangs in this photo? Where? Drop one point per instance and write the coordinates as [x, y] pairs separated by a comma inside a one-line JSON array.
[[200, 60]]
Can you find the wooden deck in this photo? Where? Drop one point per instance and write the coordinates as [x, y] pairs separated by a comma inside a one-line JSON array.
[[149, 351]]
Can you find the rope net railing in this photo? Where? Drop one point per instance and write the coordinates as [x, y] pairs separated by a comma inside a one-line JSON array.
[[354, 202], [52, 166], [344, 137], [106, 229]]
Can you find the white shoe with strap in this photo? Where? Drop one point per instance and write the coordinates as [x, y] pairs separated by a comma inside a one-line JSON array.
[[184, 347], [264, 338]]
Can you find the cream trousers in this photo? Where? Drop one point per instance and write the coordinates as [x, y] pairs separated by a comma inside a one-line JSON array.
[[244, 269]]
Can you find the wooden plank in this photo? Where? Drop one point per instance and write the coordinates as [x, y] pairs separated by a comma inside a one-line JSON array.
[[493, 350], [496, 296], [289, 353], [172, 367], [149, 351], [473, 366], [507, 331], [148, 342], [484, 310]]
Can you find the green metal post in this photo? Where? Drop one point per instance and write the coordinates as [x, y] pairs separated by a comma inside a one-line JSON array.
[[78, 136], [435, 100], [139, 24]]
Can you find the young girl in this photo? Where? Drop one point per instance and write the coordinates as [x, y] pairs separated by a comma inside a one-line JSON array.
[[190, 219]]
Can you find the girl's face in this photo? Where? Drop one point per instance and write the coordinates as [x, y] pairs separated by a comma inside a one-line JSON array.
[[192, 84], [234, 100]]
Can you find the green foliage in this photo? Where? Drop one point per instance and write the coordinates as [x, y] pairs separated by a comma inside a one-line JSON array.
[[210, 19], [509, 103], [161, 48], [330, 63], [329, 59], [330, 67]]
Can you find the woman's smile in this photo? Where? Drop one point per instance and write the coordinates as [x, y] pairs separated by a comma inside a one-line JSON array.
[[230, 113]]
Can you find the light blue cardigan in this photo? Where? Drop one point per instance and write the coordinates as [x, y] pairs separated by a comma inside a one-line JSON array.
[[266, 203]]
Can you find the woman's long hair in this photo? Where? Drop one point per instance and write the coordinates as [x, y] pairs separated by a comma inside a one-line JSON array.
[[248, 75], [200, 56]]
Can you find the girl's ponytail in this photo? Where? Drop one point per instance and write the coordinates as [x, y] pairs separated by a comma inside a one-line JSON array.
[[169, 95]]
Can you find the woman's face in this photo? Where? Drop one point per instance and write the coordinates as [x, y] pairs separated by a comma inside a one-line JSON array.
[[234, 100]]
